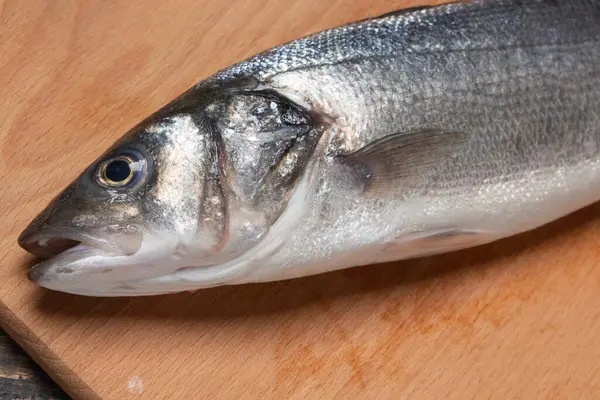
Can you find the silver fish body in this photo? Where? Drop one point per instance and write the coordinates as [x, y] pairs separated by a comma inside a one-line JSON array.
[[415, 133]]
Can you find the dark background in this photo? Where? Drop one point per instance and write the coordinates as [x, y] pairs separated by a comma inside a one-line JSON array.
[[21, 378]]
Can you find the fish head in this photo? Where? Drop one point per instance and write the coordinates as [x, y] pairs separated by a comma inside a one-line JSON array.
[[127, 212], [195, 185]]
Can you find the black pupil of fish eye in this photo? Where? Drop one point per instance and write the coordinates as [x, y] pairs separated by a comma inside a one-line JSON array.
[[118, 170]]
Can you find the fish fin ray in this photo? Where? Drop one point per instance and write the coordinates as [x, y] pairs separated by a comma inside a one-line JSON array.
[[407, 10], [427, 243], [399, 158], [403, 11]]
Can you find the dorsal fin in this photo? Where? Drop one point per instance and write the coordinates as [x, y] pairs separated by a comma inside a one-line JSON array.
[[408, 10], [392, 13], [402, 11]]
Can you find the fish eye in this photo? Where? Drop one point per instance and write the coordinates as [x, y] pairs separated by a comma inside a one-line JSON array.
[[120, 171]]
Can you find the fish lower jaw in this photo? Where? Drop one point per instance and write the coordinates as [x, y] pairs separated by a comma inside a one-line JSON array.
[[89, 271]]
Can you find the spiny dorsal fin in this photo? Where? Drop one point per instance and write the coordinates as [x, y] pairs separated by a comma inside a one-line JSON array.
[[396, 159], [403, 11], [410, 10]]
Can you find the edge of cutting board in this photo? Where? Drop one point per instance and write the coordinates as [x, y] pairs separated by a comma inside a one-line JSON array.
[[56, 368]]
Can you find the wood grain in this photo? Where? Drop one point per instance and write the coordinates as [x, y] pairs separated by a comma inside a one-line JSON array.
[[517, 319]]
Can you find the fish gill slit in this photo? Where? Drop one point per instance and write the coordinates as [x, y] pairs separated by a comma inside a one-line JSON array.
[[272, 169], [224, 191]]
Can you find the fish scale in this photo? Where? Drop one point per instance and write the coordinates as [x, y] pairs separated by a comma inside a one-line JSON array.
[[418, 132], [430, 30]]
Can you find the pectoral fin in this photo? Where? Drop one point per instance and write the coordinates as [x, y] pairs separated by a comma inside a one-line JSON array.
[[400, 158], [427, 243]]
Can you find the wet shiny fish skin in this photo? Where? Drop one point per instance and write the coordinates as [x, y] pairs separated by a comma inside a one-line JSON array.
[[416, 133]]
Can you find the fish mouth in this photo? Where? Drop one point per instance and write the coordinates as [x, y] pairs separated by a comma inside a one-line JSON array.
[[60, 250], [49, 244]]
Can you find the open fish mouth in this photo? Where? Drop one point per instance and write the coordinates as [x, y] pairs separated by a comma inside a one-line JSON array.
[[67, 255], [46, 246]]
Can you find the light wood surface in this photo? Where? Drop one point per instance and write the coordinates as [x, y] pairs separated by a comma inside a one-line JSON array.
[[517, 319]]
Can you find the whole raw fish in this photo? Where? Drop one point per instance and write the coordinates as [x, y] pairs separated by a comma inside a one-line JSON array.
[[418, 132]]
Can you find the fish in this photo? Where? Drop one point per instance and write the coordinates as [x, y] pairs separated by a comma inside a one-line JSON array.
[[418, 132]]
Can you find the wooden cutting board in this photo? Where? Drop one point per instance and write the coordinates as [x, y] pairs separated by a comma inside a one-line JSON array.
[[517, 319]]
